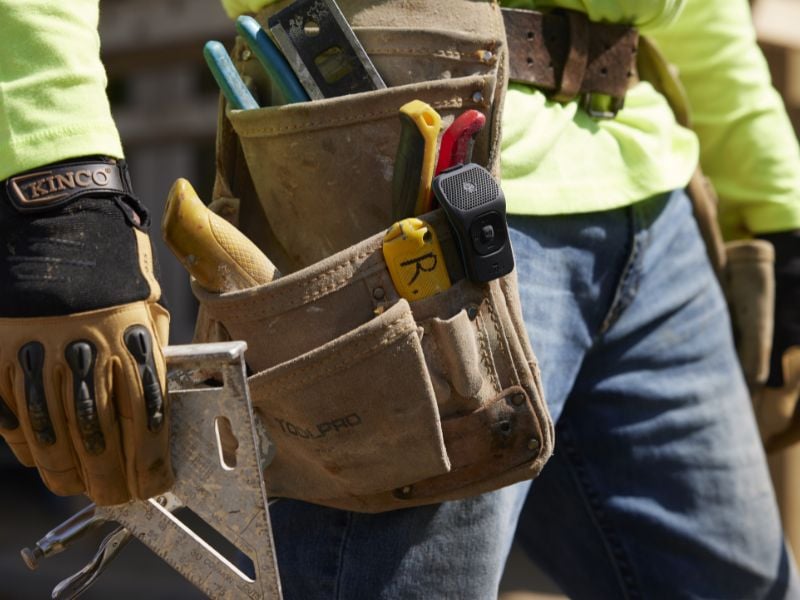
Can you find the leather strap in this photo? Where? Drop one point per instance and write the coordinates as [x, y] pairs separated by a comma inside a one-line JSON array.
[[566, 55], [55, 185]]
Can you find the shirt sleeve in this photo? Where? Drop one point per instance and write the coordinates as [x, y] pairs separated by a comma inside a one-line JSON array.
[[53, 103], [747, 145]]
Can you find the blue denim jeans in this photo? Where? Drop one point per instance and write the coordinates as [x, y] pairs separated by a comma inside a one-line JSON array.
[[658, 487]]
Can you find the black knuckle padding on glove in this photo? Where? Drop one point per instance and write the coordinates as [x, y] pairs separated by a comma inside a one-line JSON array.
[[81, 360], [140, 344], [31, 358]]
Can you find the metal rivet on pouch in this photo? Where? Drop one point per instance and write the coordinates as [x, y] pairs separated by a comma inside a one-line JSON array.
[[518, 399], [477, 97], [246, 54], [472, 312], [378, 293], [162, 500], [404, 492], [533, 444], [486, 55]]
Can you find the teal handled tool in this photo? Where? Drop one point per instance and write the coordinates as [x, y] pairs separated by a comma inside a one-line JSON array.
[[271, 58], [228, 79]]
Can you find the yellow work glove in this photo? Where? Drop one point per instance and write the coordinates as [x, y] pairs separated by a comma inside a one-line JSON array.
[[82, 373]]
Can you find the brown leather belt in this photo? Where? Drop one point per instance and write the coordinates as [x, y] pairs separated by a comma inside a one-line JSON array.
[[567, 56]]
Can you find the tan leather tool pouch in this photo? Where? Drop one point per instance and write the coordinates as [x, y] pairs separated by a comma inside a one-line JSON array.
[[375, 403], [322, 170]]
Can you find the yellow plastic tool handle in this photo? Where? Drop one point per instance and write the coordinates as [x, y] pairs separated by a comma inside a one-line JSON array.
[[215, 253], [416, 159], [415, 260]]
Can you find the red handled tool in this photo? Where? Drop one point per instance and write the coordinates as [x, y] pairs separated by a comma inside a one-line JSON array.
[[459, 139]]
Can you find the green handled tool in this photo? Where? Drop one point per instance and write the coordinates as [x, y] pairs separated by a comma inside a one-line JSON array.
[[228, 79], [415, 161]]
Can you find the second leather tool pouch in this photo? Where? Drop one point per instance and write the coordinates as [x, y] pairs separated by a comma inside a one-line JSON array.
[[374, 402]]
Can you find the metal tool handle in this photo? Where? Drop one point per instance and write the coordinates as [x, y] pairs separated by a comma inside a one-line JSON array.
[[74, 586], [59, 538]]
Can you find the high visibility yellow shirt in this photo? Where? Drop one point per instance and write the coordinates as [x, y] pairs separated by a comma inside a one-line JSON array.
[[555, 159], [53, 104]]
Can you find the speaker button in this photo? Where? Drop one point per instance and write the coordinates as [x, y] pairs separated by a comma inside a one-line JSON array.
[[486, 233]]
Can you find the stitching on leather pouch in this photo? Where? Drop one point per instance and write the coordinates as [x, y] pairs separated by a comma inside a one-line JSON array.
[[503, 339], [434, 52], [329, 123], [252, 131], [252, 305], [486, 354], [394, 331], [334, 285], [498, 327]]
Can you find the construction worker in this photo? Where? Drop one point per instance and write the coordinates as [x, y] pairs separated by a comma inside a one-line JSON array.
[[658, 486]]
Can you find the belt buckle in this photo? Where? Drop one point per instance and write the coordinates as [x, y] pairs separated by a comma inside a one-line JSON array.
[[601, 106]]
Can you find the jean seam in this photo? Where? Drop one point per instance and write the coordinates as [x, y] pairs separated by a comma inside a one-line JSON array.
[[342, 554], [623, 294], [615, 550]]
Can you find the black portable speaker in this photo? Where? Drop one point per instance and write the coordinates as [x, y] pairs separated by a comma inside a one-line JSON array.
[[476, 209]]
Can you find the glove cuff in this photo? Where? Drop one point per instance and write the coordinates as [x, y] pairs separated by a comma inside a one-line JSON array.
[[84, 251], [59, 184]]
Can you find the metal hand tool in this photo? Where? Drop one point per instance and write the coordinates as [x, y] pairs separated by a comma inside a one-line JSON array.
[[270, 57], [322, 49], [220, 482], [58, 539], [74, 586]]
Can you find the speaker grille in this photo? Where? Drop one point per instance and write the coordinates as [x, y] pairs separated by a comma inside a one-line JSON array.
[[469, 189]]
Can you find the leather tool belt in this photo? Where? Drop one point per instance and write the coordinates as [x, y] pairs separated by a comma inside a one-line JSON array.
[[373, 402], [567, 56]]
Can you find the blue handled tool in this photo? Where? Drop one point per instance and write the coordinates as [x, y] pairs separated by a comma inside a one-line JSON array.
[[228, 79], [271, 58]]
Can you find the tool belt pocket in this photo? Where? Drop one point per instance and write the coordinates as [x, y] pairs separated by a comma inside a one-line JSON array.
[[374, 403], [327, 164]]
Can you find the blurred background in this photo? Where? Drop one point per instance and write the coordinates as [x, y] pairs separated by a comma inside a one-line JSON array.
[[165, 104]]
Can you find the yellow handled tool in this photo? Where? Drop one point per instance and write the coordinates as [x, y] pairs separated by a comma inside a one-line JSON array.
[[416, 160], [219, 256], [415, 260]]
